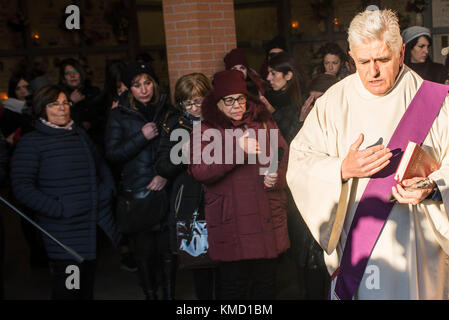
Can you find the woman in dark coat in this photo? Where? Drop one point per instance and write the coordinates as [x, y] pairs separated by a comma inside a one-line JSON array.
[[132, 140], [85, 110], [16, 117], [418, 42], [15, 122], [284, 101], [57, 172], [245, 209], [284, 98], [186, 192]]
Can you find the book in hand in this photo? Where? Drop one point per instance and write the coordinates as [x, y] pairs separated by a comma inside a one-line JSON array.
[[415, 162]]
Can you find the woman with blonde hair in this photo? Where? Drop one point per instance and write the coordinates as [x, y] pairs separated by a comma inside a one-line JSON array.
[[132, 139]]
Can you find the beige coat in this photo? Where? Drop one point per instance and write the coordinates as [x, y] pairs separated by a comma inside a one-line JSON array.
[[410, 259]]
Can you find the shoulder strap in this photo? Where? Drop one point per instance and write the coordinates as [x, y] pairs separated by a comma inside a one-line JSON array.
[[374, 207], [160, 106]]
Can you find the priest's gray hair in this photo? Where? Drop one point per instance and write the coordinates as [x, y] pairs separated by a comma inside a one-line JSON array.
[[374, 25]]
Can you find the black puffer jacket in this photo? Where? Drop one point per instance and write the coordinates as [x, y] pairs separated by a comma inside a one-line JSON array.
[[125, 143], [59, 174], [286, 114]]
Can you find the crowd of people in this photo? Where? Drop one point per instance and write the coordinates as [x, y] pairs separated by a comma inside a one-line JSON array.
[[79, 158]]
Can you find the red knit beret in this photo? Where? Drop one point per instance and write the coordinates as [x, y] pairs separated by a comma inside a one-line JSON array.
[[235, 57], [228, 82]]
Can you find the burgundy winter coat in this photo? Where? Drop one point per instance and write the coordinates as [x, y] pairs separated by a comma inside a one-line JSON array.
[[244, 220]]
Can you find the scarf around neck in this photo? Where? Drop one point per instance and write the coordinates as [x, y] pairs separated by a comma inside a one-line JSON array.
[[68, 126]]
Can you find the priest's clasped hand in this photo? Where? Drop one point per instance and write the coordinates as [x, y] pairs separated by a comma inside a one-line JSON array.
[[364, 163], [407, 193]]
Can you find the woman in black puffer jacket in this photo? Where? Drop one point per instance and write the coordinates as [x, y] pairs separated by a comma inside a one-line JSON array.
[[57, 172], [132, 140]]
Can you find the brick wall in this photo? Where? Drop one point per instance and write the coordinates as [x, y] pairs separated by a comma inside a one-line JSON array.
[[198, 34]]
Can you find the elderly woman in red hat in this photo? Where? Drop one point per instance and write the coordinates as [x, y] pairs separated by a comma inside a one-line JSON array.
[[245, 209], [236, 60]]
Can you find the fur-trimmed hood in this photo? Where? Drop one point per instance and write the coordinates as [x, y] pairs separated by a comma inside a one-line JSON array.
[[215, 118]]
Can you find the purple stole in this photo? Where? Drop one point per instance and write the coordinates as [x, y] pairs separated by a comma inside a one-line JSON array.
[[374, 207]]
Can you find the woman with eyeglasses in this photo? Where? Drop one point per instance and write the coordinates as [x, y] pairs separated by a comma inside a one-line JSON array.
[[132, 140], [82, 94], [244, 198], [186, 192], [418, 42], [57, 172]]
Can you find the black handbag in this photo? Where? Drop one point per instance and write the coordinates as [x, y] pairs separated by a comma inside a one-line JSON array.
[[192, 242], [140, 210]]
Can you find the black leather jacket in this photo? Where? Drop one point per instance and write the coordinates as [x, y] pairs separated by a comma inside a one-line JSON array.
[[125, 143]]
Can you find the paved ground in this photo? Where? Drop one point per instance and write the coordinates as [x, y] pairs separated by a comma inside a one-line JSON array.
[[25, 283]]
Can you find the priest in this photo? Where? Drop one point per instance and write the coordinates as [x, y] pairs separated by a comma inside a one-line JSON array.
[[342, 163]]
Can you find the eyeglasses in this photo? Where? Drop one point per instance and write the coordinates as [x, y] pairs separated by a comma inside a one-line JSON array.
[[57, 104], [74, 71], [189, 104], [229, 101]]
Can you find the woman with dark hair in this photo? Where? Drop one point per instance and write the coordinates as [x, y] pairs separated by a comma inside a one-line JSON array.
[[274, 46], [19, 87], [284, 98], [334, 60], [82, 94], [113, 84], [284, 101], [132, 139], [244, 209], [16, 112], [57, 172], [417, 42], [236, 60], [15, 122], [113, 88], [186, 192]]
